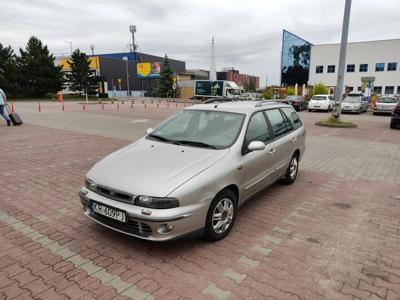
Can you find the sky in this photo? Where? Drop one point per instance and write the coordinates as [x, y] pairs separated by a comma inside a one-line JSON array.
[[248, 33]]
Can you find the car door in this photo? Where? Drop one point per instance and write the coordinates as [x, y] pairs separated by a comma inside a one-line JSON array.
[[255, 166], [281, 148]]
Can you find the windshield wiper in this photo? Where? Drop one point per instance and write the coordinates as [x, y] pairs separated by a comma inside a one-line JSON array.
[[195, 143], [163, 139]]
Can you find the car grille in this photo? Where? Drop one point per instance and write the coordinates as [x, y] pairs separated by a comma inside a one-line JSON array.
[[131, 226], [114, 195]]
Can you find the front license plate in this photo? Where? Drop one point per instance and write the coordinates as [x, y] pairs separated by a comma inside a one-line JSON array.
[[316, 106], [108, 211]]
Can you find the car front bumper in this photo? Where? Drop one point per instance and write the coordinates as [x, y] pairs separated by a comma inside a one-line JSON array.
[[180, 221], [351, 109]]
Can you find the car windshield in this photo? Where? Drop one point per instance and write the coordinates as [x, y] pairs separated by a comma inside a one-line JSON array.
[[200, 128], [318, 98], [354, 99], [387, 100]]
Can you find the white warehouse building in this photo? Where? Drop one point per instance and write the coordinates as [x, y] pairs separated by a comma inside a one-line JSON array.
[[371, 65]]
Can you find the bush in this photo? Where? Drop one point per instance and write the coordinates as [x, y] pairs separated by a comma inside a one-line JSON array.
[[268, 94], [289, 91], [320, 89]]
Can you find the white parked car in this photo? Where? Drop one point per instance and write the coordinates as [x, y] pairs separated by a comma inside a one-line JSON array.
[[321, 102]]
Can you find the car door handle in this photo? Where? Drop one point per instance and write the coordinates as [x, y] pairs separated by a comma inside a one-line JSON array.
[[272, 151], [293, 139]]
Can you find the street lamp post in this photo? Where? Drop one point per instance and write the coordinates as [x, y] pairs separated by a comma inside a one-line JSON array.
[[342, 60], [127, 74]]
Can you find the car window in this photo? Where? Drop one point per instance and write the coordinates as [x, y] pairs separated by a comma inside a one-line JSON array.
[[292, 116], [279, 124], [257, 129], [387, 100], [319, 98]]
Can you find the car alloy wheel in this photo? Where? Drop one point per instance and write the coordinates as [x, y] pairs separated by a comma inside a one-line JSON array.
[[293, 168], [223, 215]]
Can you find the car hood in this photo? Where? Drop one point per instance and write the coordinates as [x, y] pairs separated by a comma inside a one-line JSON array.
[[349, 104], [152, 168]]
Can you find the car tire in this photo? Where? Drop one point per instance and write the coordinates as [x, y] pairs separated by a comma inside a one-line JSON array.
[[309, 110], [393, 125], [224, 203], [292, 170], [329, 108]]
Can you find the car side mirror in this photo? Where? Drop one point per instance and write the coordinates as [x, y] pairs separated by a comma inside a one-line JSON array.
[[149, 130], [256, 146]]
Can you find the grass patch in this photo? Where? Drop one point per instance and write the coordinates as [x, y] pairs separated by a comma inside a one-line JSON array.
[[333, 122]]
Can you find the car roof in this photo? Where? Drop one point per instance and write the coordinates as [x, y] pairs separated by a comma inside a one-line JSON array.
[[321, 95], [244, 107]]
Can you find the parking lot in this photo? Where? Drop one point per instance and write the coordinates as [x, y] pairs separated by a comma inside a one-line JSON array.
[[333, 234]]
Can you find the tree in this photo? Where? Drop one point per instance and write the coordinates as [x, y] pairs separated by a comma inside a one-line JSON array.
[[38, 73], [8, 71], [320, 89], [268, 94], [81, 78], [166, 80], [289, 91]]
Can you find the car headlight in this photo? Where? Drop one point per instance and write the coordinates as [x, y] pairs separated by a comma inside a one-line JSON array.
[[90, 185], [156, 202]]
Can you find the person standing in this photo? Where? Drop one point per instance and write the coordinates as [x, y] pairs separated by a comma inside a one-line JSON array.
[[3, 99]]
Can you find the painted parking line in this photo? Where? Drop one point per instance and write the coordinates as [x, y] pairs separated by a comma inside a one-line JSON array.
[[122, 287]]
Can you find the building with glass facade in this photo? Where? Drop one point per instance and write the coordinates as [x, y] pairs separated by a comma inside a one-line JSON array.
[[295, 59]]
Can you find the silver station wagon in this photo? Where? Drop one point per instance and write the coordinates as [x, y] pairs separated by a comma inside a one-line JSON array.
[[192, 172]]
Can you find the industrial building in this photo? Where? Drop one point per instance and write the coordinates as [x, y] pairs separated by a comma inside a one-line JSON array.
[[119, 71], [371, 66], [247, 82]]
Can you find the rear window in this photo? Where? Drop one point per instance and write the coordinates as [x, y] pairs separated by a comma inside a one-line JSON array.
[[387, 100], [292, 116], [318, 98]]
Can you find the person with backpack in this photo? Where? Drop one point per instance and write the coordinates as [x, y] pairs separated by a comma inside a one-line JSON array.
[[3, 99]]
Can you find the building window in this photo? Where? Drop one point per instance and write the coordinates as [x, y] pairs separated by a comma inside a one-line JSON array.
[[331, 69], [363, 67], [380, 67], [351, 68], [398, 90], [377, 89], [392, 66], [319, 69], [359, 89], [389, 90], [350, 89]]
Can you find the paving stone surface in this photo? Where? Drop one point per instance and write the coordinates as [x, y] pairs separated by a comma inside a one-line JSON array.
[[333, 234]]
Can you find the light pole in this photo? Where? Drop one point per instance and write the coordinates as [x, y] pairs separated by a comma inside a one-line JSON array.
[[125, 58], [70, 45], [342, 60]]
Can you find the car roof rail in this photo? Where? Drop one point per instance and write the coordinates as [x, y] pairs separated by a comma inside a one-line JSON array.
[[265, 102], [222, 99]]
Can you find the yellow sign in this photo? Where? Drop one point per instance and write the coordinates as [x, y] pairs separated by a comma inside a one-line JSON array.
[[93, 63], [143, 69]]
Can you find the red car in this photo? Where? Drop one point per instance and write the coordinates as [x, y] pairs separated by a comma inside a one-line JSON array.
[[395, 120]]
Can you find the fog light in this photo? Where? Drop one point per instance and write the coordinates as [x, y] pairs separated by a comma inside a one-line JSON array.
[[84, 191], [164, 228]]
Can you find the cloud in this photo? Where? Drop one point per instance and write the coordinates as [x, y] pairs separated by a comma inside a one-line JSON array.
[[247, 33]]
